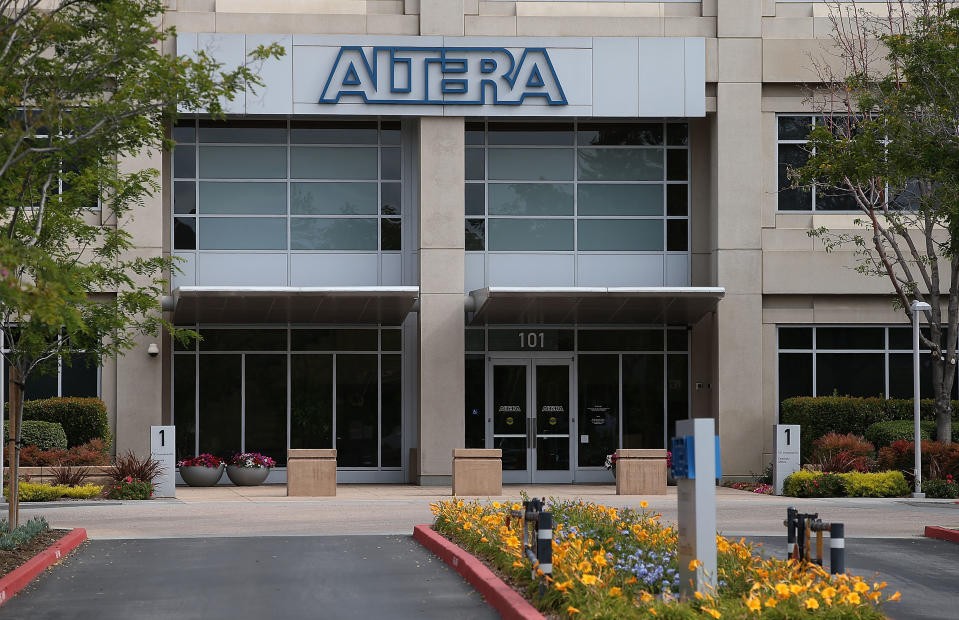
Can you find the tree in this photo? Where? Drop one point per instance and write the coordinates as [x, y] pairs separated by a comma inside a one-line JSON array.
[[889, 140], [83, 85]]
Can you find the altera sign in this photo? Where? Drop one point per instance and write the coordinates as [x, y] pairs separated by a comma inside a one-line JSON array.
[[442, 75]]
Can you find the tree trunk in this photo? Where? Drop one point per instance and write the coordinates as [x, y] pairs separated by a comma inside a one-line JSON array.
[[943, 417], [16, 415]]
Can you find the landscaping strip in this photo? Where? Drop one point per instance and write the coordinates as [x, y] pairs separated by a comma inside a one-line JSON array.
[[499, 595], [942, 533], [17, 579]]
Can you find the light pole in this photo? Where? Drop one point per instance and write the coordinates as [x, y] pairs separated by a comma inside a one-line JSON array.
[[917, 307]]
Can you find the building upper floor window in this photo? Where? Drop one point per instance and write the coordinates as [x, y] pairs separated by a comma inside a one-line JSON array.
[[793, 131], [577, 186], [287, 186]]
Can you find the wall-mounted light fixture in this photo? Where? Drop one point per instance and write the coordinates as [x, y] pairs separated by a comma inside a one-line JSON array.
[[153, 350]]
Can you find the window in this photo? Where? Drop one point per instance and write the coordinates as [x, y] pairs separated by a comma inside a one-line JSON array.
[[577, 186], [793, 131], [287, 185], [80, 376], [850, 361]]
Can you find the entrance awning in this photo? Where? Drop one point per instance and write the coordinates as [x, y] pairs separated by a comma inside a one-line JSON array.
[[387, 305], [649, 305]]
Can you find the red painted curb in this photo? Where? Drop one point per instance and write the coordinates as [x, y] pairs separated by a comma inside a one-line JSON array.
[[17, 579], [942, 533], [505, 600]]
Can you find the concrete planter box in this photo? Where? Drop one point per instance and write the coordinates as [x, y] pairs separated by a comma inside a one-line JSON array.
[[99, 474], [477, 472], [641, 472], [311, 473], [247, 476], [200, 476]]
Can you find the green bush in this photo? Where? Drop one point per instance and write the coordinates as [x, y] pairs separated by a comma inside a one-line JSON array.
[[43, 435], [30, 492], [884, 433], [852, 484], [83, 419], [130, 489], [23, 533], [845, 414], [941, 489]]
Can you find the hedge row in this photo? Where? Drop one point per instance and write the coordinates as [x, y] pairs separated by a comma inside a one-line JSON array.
[[82, 419], [844, 414], [884, 433], [852, 484], [43, 435]]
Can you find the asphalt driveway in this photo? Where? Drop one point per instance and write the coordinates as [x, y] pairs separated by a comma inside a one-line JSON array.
[[289, 577]]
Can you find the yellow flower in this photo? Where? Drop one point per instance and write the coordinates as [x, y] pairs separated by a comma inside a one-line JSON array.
[[894, 597], [782, 590], [853, 598], [496, 504], [861, 587], [459, 504], [698, 595], [588, 579], [565, 585], [572, 610], [599, 559], [517, 564], [812, 603], [631, 580], [517, 506], [693, 564], [614, 591], [753, 604], [584, 566], [712, 612], [795, 588], [644, 504], [770, 602], [829, 592], [653, 611], [645, 596], [467, 525]]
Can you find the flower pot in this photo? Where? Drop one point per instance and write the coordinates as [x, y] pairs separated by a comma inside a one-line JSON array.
[[200, 476], [247, 476]]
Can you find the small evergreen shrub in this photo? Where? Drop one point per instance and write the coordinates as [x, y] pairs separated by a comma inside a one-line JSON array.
[[884, 433], [129, 488], [43, 435], [843, 453], [23, 533], [941, 489], [852, 484], [813, 484], [938, 459], [83, 419], [30, 492]]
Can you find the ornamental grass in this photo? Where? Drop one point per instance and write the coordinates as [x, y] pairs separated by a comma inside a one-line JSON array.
[[621, 563]]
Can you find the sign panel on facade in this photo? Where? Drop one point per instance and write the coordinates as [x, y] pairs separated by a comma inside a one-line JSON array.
[[162, 450], [785, 454]]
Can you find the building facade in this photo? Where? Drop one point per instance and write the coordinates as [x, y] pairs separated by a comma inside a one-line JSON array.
[[553, 228]]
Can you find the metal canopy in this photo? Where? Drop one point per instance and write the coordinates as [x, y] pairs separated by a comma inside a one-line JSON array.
[[387, 305], [618, 305]]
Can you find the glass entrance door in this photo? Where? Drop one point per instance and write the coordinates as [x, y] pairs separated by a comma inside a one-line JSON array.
[[531, 418]]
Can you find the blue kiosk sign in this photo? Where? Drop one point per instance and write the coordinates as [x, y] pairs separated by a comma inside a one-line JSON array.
[[442, 76]]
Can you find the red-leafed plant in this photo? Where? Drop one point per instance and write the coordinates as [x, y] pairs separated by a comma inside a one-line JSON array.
[[843, 453]]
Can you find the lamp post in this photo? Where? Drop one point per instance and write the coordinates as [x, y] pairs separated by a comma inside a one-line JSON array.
[[917, 307]]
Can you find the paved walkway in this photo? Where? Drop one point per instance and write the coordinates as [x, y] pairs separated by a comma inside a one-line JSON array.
[[395, 509]]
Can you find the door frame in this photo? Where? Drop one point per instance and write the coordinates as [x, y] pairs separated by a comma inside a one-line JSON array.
[[531, 360]]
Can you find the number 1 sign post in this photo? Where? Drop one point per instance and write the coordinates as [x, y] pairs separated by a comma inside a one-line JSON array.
[[785, 454], [162, 449]]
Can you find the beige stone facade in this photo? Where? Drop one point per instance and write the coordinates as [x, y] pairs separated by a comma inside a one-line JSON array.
[[758, 55]]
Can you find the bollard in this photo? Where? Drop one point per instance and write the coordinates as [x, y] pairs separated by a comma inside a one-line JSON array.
[[837, 548], [544, 543], [790, 531]]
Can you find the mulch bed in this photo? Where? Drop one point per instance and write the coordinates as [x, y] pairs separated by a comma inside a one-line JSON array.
[[10, 560]]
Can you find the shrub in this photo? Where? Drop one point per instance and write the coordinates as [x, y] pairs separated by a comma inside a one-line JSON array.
[[884, 433], [83, 419], [85, 491], [43, 435], [23, 533], [813, 484], [130, 467], [69, 476], [941, 489], [96, 452], [938, 459], [29, 492], [130, 488], [844, 414], [843, 453], [881, 484]]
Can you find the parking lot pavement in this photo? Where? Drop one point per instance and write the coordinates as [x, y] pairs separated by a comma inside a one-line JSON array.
[[922, 569], [236, 578]]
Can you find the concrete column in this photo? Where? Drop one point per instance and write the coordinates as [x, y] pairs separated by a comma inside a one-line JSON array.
[[738, 159], [441, 316]]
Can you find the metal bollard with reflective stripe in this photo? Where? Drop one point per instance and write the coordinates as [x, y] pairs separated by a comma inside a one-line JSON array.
[[544, 543], [837, 548]]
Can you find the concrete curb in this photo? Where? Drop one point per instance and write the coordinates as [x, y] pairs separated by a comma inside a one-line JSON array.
[[942, 533], [501, 597], [17, 579]]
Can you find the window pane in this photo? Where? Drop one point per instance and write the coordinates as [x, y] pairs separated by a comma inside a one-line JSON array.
[[243, 162], [834, 200], [643, 414], [391, 411], [185, 131], [677, 339], [794, 127], [620, 235], [184, 161], [533, 134], [243, 233], [850, 338], [850, 374], [334, 340], [677, 199], [530, 199], [475, 235], [333, 132], [272, 132], [184, 233], [243, 198], [604, 199], [530, 235], [391, 234], [677, 392], [641, 134], [795, 337], [530, 164], [311, 401], [243, 340], [79, 376], [795, 375], [792, 156], [184, 197], [391, 132], [391, 339], [332, 163], [475, 340], [677, 239], [333, 198], [475, 164], [900, 376], [184, 405], [598, 377], [357, 381], [475, 133], [475, 199], [219, 401], [676, 164], [265, 406], [677, 134], [391, 198], [620, 340], [620, 164], [333, 234], [475, 400], [391, 164]]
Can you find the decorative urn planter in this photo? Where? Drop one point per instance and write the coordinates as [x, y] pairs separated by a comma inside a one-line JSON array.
[[247, 476], [201, 476]]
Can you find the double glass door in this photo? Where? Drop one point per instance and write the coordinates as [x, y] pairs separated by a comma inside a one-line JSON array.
[[530, 418]]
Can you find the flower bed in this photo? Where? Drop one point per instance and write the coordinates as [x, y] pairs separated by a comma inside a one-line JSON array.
[[851, 484], [614, 563]]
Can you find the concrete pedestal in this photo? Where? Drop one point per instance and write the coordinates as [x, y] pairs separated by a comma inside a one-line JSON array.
[[477, 472], [641, 472], [311, 473]]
